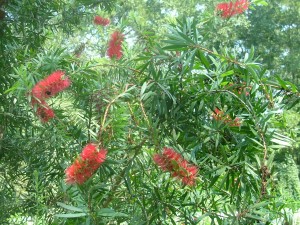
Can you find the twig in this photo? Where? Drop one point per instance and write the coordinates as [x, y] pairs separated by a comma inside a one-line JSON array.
[[106, 114]]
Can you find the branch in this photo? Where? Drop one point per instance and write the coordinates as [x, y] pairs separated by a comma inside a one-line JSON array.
[[106, 113]]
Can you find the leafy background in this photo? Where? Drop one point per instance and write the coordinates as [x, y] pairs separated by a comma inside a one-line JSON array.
[[181, 61]]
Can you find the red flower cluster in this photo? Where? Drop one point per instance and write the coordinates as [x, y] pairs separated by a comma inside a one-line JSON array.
[[46, 88], [173, 162], [232, 8], [45, 112], [219, 116], [101, 21], [51, 85], [115, 45], [85, 165]]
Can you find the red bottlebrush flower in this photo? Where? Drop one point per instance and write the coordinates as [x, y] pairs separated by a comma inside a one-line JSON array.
[[173, 162], [51, 85], [115, 45], [230, 9], [74, 173], [90, 153], [240, 6], [45, 112], [85, 165], [101, 21]]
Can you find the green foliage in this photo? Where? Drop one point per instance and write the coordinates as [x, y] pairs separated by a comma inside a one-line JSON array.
[[165, 91], [275, 34]]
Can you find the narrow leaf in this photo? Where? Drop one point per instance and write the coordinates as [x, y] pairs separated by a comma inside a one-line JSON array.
[[70, 215], [70, 207]]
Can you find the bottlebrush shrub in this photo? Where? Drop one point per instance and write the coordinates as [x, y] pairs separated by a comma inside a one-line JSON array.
[[152, 105], [174, 163], [98, 20], [85, 165], [232, 8]]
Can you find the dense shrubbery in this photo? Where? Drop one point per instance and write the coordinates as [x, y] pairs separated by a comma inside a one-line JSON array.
[[172, 131]]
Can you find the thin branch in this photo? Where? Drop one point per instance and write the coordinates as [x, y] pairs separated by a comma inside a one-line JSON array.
[[106, 114]]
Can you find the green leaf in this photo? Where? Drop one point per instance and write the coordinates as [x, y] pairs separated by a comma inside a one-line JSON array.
[[253, 73], [270, 159], [202, 217], [255, 141], [228, 73], [281, 82], [167, 92], [281, 142], [254, 217], [70, 215], [260, 2], [143, 88], [186, 38], [203, 59], [13, 88], [70, 207], [292, 86], [147, 95], [251, 54], [259, 205], [175, 46]]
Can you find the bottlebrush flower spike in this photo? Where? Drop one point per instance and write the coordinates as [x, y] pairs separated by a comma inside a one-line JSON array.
[[85, 165], [232, 8], [101, 21], [115, 45], [174, 163], [51, 85], [45, 112]]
